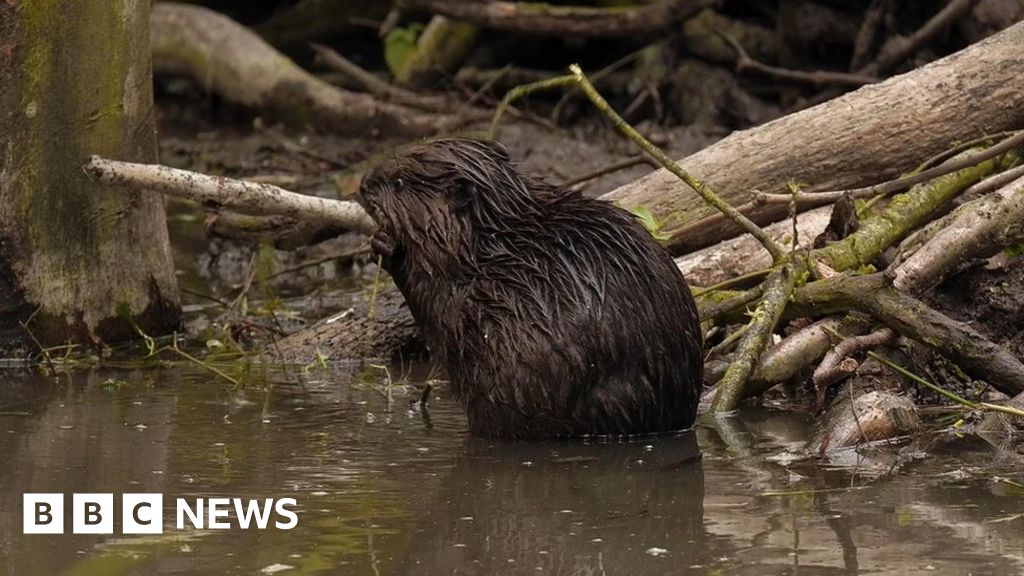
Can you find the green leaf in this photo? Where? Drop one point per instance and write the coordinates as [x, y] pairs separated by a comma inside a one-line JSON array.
[[399, 45], [1014, 251], [650, 222]]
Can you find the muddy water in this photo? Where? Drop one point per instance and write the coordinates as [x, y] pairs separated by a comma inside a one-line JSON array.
[[386, 489]]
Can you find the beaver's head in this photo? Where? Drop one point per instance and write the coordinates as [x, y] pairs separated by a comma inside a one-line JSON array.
[[432, 201]]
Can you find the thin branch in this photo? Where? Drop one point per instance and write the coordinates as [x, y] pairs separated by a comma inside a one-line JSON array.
[[894, 53], [595, 78], [523, 91], [830, 370], [870, 33], [624, 164], [817, 77], [375, 85], [993, 183], [699, 186]]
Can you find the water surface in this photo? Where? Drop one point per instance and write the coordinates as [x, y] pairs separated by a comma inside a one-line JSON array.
[[382, 488]]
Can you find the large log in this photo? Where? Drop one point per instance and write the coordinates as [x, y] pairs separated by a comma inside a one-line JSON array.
[[864, 137]]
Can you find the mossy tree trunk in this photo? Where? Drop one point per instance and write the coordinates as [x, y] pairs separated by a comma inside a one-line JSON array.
[[78, 258]]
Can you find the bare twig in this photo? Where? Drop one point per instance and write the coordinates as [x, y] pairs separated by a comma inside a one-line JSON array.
[[45, 352], [992, 183], [869, 35], [817, 77], [830, 370], [898, 51], [375, 85], [624, 164]]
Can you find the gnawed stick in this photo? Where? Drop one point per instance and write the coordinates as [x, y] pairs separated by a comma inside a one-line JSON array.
[[239, 195]]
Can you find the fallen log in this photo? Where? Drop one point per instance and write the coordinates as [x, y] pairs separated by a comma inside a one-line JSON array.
[[227, 58], [543, 19], [861, 138]]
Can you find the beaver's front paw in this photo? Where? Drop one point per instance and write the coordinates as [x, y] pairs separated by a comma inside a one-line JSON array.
[[383, 244]]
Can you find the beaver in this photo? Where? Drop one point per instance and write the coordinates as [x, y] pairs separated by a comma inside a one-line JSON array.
[[555, 314]]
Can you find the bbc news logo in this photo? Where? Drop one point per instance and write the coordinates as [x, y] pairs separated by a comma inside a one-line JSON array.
[[144, 513]]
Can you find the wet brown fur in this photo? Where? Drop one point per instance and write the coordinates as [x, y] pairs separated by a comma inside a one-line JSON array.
[[555, 314]]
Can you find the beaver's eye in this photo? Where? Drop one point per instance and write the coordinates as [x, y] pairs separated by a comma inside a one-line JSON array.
[[399, 183]]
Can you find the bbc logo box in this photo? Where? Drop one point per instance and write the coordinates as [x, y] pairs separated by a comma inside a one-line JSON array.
[[92, 513]]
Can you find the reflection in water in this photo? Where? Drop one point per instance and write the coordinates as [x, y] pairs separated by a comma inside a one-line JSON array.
[[566, 508], [380, 491]]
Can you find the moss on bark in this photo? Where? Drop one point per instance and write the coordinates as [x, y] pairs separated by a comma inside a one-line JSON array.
[[79, 83]]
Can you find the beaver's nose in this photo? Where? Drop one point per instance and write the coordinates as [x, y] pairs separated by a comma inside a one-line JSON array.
[[367, 198]]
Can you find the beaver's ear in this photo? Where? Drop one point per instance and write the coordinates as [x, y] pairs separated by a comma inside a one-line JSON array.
[[464, 194]]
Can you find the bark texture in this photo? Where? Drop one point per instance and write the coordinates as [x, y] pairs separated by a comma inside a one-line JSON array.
[[861, 138], [77, 256]]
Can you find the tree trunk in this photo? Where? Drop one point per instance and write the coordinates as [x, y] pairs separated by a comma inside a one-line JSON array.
[[864, 137], [77, 257]]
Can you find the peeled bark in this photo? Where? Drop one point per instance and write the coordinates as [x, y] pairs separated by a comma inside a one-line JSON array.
[[78, 258], [744, 254], [861, 138]]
